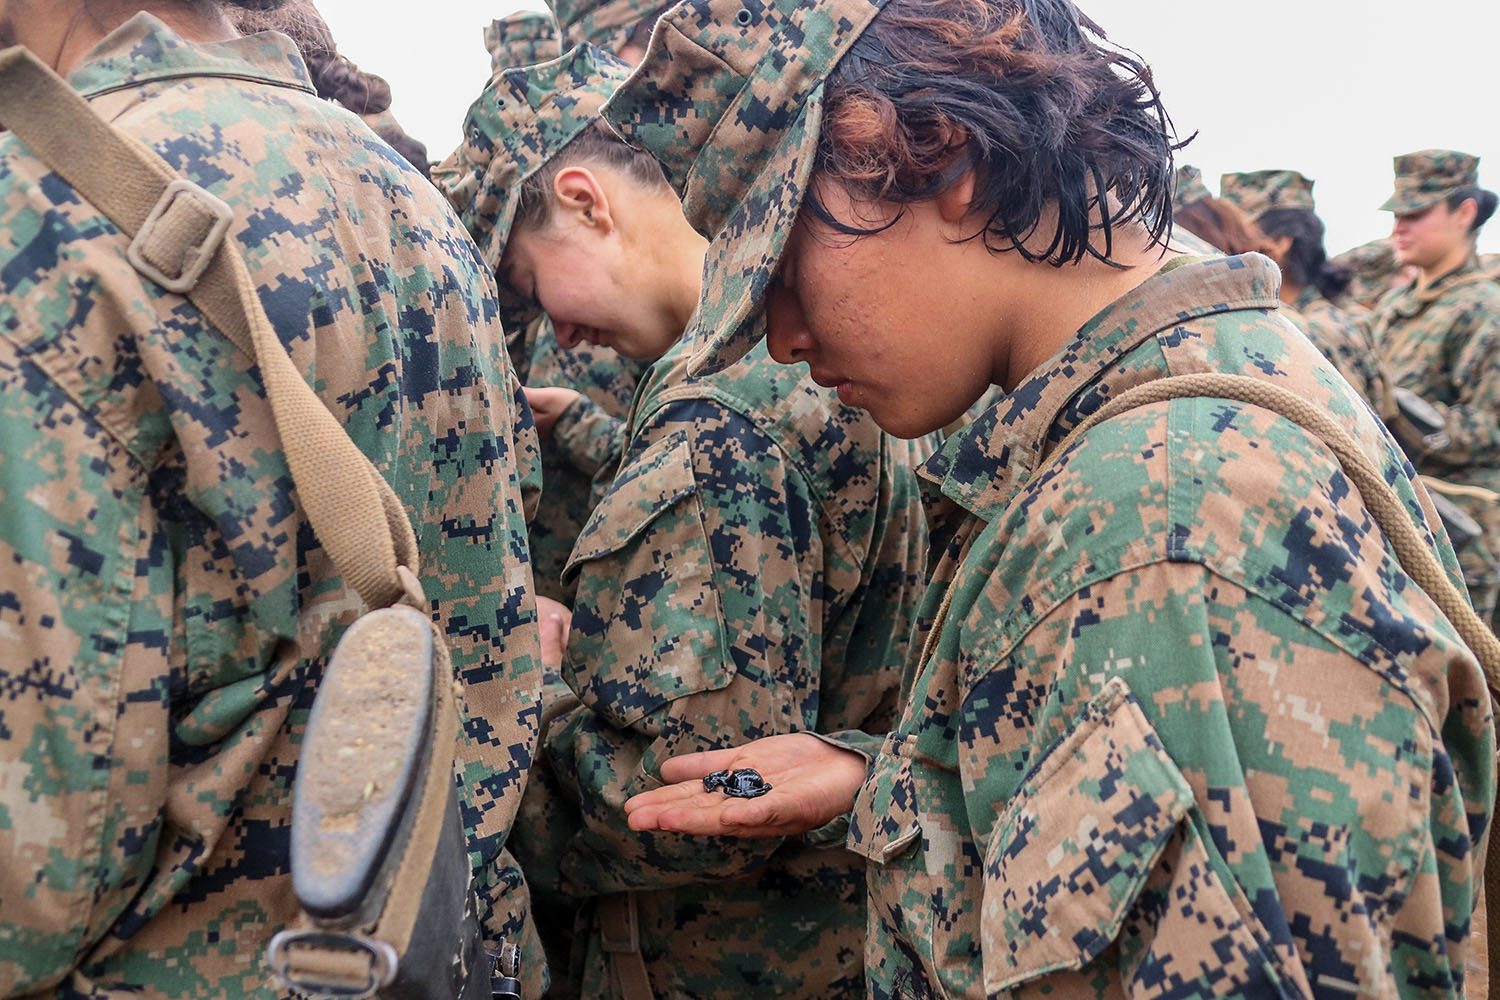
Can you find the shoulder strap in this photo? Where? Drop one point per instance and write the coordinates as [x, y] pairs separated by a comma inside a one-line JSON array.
[[177, 239]]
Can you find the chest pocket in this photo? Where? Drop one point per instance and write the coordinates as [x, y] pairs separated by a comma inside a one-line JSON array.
[[648, 627]]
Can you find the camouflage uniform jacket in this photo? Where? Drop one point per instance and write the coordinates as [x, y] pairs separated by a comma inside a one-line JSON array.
[[751, 571], [1342, 339], [166, 611], [1186, 729], [1443, 343], [579, 458]]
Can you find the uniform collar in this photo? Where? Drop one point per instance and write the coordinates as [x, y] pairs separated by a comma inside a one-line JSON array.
[[981, 467], [144, 50], [1409, 301]]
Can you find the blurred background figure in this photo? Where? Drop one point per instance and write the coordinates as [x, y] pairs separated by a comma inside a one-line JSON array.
[[1279, 203], [1214, 221], [524, 38], [336, 78], [619, 27], [1438, 334], [1373, 271]]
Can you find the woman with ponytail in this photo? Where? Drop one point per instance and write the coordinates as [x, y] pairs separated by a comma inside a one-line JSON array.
[[1175, 723], [1439, 335]]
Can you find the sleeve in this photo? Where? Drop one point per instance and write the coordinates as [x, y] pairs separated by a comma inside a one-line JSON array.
[[590, 438], [693, 629], [1472, 420], [1193, 791]]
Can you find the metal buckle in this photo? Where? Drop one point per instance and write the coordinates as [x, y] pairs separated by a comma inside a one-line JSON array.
[[196, 259], [383, 962]]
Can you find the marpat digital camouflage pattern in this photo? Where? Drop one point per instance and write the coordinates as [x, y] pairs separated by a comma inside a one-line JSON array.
[[1187, 186], [526, 116], [1426, 177], [1188, 729], [752, 570], [607, 24], [166, 612], [1375, 272], [1343, 339], [1443, 343], [1257, 192], [521, 39]]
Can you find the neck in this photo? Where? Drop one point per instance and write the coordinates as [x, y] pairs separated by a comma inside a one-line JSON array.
[[61, 32], [1449, 263], [1045, 305], [1290, 292]]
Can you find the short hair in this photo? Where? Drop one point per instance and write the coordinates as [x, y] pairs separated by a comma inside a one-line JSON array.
[[1484, 204], [595, 145]]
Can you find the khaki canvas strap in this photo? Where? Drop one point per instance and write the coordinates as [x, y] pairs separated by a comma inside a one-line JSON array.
[[177, 233], [619, 932]]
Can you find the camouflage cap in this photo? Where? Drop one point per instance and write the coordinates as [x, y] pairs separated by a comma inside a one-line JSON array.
[[729, 99], [1257, 192], [524, 38], [1427, 177], [606, 24], [524, 118], [1188, 186]]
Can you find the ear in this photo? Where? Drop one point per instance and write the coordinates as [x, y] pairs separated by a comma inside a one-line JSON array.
[[1277, 247], [1466, 213], [954, 201], [582, 197]]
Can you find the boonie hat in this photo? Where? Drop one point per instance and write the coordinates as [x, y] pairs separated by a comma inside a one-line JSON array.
[[1427, 177], [1258, 191], [607, 25], [729, 99], [524, 118], [524, 38], [1188, 186]]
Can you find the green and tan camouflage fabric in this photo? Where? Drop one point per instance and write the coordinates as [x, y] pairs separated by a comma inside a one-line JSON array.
[[607, 25], [521, 39], [1187, 186], [166, 612], [1343, 339], [1375, 272], [1426, 177], [752, 570], [1187, 724], [728, 100], [1443, 343], [1257, 192]]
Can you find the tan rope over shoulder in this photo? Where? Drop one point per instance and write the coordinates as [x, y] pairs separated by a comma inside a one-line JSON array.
[[178, 232]]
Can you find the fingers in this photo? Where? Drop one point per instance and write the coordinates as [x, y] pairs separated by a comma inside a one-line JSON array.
[[698, 765]]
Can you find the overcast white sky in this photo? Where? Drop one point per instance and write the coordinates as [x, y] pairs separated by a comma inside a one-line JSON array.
[[1333, 88]]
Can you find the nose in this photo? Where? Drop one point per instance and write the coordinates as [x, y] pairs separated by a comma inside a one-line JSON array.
[[787, 336]]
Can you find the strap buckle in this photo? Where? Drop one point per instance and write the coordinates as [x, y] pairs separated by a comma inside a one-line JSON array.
[[330, 964], [180, 236]]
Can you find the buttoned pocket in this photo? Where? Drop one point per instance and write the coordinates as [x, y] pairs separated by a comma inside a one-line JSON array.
[[883, 825], [1099, 840], [647, 623]]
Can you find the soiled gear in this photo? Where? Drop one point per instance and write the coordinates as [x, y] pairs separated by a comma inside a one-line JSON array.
[[607, 24], [1343, 339], [167, 612], [1375, 273], [1187, 186], [524, 38], [751, 571], [1257, 192], [728, 99], [1443, 342], [1179, 673], [1426, 177]]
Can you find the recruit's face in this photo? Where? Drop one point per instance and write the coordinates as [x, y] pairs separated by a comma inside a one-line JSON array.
[[880, 317], [1426, 239], [584, 282]]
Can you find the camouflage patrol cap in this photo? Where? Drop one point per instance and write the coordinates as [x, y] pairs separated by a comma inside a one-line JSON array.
[[524, 38], [606, 24], [1257, 192], [1427, 177], [729, 99], [1188, 186], [524, 118]]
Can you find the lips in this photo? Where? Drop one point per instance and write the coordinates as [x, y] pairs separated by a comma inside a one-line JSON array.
[[827, 380]]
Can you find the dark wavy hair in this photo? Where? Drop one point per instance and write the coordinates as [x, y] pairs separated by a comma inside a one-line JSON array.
[[1306, 264], [1030, 94], [1484, 205]]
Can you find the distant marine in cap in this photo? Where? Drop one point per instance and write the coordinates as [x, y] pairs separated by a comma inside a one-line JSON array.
[[1259, 191], [1427, 176], [1188, 187], [521, 39]]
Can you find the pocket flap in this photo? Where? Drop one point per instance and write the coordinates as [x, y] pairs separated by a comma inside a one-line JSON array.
[[662, 475], [1073, 849], [884, 824]]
